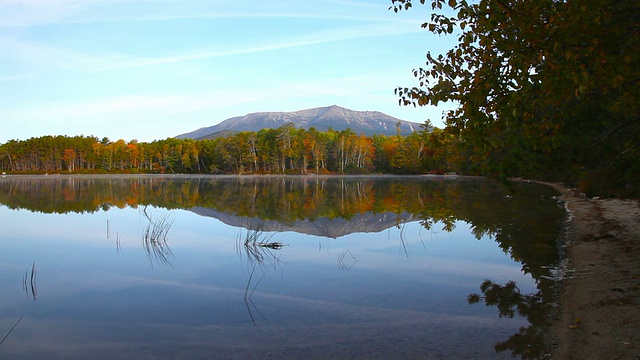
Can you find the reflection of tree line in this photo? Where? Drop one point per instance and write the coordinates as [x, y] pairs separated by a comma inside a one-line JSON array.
[[523, 225], [483, 204]]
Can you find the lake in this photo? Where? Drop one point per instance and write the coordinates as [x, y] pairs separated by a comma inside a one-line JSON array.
[[275, 267]]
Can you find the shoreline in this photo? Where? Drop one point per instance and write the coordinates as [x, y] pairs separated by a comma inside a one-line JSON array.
[[598, 315]]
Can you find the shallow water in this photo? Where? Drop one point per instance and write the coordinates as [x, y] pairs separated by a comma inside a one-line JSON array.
[[166, 267]]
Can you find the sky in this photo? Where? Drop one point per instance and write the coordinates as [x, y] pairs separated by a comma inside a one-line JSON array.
[[153, 69]]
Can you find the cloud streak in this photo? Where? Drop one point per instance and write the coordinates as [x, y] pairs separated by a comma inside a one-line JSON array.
[[15, 77], [50, 20], [156, 105], [68, 59], [25, 13], [308, 40]]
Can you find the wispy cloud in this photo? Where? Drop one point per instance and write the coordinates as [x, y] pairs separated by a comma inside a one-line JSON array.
[[50, 56], [15, 77], [360, 4], [342, 34], [49, 19], [24, 13], [68, 59], [34, 12], [150, 106], [236, 15]]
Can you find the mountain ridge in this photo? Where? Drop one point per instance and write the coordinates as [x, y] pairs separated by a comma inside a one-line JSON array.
[[320, 118]]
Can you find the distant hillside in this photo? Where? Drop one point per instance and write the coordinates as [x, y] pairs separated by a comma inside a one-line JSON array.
[[323, 118]]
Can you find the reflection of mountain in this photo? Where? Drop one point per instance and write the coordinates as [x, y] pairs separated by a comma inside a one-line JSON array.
[[323, 226], [523, 219], [516, 218]]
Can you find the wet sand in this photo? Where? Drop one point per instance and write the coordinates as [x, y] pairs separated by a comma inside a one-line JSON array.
[[599, 305]]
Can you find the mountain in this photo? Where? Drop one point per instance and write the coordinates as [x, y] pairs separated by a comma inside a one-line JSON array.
[[322, 118]]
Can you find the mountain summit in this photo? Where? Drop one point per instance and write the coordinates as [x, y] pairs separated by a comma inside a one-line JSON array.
[[322, 118]]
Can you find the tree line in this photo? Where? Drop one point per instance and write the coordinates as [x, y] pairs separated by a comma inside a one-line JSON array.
[[285, 150]]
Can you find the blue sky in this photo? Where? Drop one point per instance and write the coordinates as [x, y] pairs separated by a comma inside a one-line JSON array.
[[152, 69]]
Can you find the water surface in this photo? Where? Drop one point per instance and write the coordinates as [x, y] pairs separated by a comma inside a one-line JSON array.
[[225, 267]]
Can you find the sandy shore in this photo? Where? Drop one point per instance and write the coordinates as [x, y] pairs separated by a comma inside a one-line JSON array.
[[599, 307]]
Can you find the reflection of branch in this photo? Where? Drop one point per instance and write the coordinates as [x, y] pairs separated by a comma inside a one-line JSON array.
[[400, 225], [118, 237], [154, 239], [424, 246], [448, 221], [118, 247], [30, 287], [259, 248], [528, 342], [341, 263], [11, 330], [260, 251], [247, 296], [403, 240]]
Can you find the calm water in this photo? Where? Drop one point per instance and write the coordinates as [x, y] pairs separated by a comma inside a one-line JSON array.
[[178, 267]]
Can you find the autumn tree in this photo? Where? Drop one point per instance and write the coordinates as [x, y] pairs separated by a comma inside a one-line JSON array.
[[69, 158], [544, 87], [318, 149], [285, 135]]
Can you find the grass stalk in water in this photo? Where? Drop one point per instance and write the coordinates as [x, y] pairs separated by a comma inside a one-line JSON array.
[[154, 238]]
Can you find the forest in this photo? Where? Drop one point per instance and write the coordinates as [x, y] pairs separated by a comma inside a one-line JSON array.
[[285, 150]]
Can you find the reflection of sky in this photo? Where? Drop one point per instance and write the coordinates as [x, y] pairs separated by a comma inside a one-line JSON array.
[[399, 277]]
